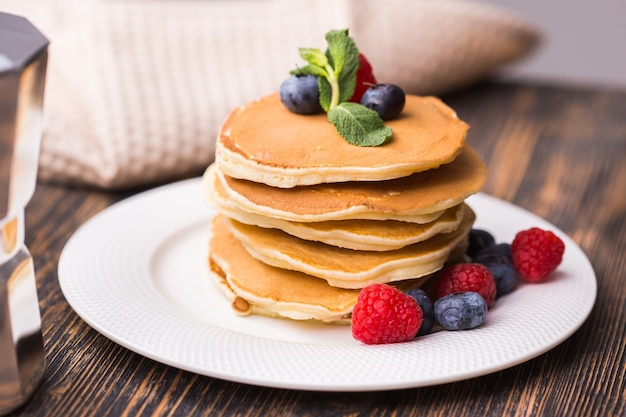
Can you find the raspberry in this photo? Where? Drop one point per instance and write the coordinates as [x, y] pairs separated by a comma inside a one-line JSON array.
[[470, 277], [364, 79], [384, 314], [536, 253]]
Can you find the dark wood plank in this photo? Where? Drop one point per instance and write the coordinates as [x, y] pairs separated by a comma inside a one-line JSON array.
[[558, 152]]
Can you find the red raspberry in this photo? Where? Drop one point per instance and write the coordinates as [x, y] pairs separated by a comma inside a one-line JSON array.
[[536, 253], [384, 314], [364, 79], [466, 277]]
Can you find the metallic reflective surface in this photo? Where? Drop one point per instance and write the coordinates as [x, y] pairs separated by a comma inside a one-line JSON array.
[[23, 60], [21, 345]]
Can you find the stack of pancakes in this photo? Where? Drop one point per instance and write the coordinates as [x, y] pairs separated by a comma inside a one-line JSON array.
[[306, 219]]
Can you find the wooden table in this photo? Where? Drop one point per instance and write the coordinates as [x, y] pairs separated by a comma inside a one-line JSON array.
[[558, 152]]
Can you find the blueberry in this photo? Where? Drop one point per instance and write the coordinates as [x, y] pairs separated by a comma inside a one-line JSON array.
[[300, 94], [499, 249], [498, 260], [494, 253], [479, 239], [505, 276], [386, 99], [461, 310], [428, 311]]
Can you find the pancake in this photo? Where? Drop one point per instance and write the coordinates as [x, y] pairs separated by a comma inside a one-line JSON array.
[[421, 197], [370, 235], [257, 288], [264, 142], [348, 268]]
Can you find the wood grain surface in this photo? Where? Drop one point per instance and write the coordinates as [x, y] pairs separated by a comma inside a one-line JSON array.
[[558, 152]]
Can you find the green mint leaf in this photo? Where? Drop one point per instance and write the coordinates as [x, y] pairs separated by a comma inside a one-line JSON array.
[[310, 70], [326, 92], [359, 125], [347, 77], [337, 40], [336, 70], [314, 56], [343, 56]]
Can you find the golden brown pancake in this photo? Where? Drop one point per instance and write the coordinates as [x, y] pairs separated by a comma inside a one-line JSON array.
[[373, 235], [307, 219], [264, 142], [410, 198], [348, 268], [257, 288], [289, 293]]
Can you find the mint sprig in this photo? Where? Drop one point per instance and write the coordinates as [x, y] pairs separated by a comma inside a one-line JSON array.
[[336, 78], [359, 125]]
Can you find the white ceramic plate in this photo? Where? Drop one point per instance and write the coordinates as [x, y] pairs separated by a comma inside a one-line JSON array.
[[137, 273]]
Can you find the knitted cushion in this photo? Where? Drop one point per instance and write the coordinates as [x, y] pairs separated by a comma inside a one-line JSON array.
[[137, 89]]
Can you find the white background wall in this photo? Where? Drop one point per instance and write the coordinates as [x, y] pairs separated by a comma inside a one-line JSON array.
[[584, 41]]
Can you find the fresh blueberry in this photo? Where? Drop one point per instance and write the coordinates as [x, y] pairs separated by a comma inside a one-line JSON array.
[[300, 94], [479, 239], [386, 99], [499, 249], [505, 276], [428, 311], [461, 310], [498, 260]]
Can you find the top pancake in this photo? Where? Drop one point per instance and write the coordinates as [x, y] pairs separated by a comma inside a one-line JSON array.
[[264, 142]]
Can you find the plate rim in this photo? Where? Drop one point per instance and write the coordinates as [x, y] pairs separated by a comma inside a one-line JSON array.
[[67, 281]]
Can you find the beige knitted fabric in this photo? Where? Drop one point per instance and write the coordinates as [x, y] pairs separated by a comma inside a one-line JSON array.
[[137, 89]]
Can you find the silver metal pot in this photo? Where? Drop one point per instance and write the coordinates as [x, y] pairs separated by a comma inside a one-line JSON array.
[[23, 60]]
